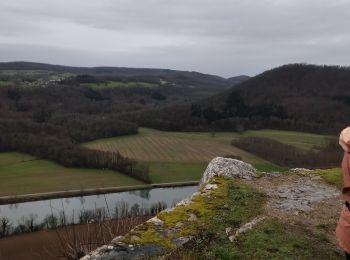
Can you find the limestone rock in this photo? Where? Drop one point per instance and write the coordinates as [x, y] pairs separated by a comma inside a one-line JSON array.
[[178, 242], [300, 195], [134, 238], [184, 202], [179, 225], [246, 227], [300, 171], [192, 217], [230, 168], [156, 221], [211, 186], [118, 241], [127, 253]]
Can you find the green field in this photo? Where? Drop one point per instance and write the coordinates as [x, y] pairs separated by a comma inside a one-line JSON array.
[[15, 74], [176, 156], [119, 84], [171, 156], [175, 171], [4, 83], [23, 174], [31, 78]]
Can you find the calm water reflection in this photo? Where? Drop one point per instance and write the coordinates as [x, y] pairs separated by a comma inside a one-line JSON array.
[[72, 206]]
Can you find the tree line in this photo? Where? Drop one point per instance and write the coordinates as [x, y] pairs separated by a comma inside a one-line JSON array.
[[290, 156], [49, 142], [121, 210]]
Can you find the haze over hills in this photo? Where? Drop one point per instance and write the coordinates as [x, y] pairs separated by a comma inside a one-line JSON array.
[[192, 78]]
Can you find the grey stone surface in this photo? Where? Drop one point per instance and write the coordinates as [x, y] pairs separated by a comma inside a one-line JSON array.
[[156, 221], [301, 195], [192, 217], [178, 242], [126, 253], [134, 238], [179, 225], [230, 168], [184, 202], [245, 228]]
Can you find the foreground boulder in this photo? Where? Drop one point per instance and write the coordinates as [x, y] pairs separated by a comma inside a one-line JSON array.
[[229, 168]]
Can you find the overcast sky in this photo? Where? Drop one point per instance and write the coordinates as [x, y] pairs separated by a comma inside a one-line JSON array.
[[223, 37]]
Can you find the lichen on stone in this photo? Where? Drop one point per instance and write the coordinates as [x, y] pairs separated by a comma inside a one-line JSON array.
[[174, 228]]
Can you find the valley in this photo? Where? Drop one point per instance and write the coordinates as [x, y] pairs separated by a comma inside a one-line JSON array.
[[101, 112], [194, 130], [66, 129], [170, 156]]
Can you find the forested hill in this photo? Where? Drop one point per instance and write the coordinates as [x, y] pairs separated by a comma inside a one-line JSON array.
[[237, 79], [191, 78], [48, 110], [296, 96]]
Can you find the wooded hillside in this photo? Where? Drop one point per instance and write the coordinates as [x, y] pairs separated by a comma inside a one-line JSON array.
[[295, 97]]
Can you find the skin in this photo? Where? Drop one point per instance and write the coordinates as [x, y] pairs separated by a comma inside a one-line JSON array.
[[344, 139]]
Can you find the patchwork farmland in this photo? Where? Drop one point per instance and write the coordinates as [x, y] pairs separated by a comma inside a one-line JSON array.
[[165, 149], [175, 156]]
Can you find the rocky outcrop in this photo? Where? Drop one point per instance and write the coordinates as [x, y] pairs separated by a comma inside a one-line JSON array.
[[156, 236], [229, 168], [299, 190]]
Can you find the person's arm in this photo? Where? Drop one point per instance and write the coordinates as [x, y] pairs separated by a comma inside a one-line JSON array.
[[344, 139]]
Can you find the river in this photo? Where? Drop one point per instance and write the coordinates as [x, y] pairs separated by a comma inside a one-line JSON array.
[[72, 207]]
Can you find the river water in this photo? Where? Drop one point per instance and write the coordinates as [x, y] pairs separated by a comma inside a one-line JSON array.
[[73, 206]]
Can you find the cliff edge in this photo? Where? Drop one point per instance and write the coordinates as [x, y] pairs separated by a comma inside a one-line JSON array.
[[239, 213]]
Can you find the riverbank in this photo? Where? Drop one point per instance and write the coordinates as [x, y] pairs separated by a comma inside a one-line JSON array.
[[84, 192], [47, 244], [241, 214]]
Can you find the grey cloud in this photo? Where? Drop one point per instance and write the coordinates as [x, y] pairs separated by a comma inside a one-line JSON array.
[[225, 37]]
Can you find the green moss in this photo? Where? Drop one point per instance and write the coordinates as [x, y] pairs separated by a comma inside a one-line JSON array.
[[149, 235], [332, 176], [231, 204]]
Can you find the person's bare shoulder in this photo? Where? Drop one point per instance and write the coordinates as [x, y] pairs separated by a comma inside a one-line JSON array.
[[344, 139]]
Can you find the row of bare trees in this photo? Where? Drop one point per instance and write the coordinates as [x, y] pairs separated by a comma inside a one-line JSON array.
[[291, 156], [42, 141], [121, 210]]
